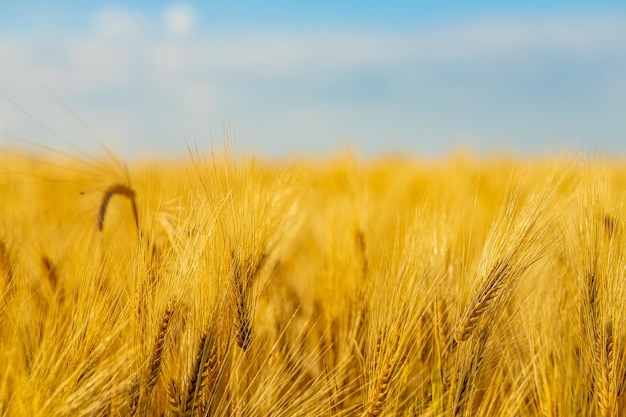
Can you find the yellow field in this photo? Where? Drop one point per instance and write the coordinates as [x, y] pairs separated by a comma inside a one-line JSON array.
[[225, 286]]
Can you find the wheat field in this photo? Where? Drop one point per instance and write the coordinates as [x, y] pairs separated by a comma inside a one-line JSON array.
[[225, 285]]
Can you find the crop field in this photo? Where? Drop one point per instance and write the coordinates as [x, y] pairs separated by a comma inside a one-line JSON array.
[[224, 285]]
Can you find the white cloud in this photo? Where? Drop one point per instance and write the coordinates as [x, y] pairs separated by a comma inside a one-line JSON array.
[[179, 20], [198, 95], [273, 53], [167, 59], [120, 23], [487, 39]]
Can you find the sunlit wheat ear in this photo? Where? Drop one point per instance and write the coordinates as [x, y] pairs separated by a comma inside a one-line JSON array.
[[133, 397], [167, 223], [202, 375], [609, 225], [386, 360], [487, 294], [607, 390], [592, 297], [380, 394], [591, 320], [6, 263], [241, 295], [174, 398], [51, 272], [159, 345], [593, 312], [359, 316], [122, 190], [360, 246]]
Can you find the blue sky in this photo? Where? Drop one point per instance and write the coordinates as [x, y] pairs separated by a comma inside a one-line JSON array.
[[309, 78]]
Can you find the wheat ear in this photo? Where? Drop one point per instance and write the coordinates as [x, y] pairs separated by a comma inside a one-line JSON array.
[[51, 272], [241, 287], [486, 296], [607, 386], [202, 374], [174, 397], [122, 190], [382, 384], [361, 251], [159, 345], [6, 263]]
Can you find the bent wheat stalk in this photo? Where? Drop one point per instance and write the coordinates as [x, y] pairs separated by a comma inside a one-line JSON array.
[[122, 190]]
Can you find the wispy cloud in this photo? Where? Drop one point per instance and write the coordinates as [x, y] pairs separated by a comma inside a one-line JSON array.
[[117, 23], [179, 20], [160, 80]]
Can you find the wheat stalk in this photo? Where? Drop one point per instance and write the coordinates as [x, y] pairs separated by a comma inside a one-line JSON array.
[[471, 371]]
